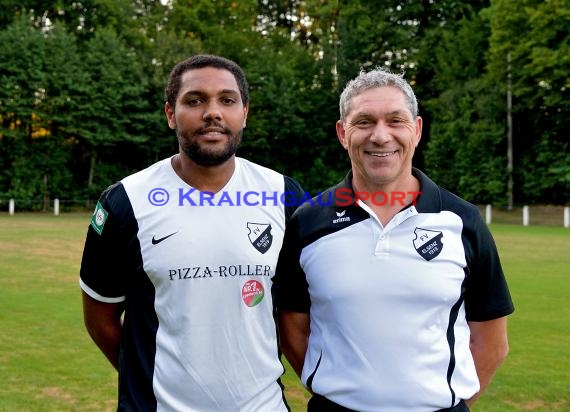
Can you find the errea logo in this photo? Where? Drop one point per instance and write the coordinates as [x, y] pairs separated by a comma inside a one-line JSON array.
[[341, 218]]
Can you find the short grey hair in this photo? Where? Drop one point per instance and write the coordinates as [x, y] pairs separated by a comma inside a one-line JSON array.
[[376, 78]]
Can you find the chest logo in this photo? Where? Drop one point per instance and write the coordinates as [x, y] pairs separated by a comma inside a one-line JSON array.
[[157, 241], [428, 243], [252, 293], [340, 217], [260, 236]]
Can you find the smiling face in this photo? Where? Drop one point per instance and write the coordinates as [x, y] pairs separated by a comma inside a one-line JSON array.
[[208, 116], [380, 135]]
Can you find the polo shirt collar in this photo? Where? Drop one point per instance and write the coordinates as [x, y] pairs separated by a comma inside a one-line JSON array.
[[428, 201]]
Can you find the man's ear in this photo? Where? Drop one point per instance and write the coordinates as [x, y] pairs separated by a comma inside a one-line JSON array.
[[341, 134], [169, 111], [419, 125], [245, 112]]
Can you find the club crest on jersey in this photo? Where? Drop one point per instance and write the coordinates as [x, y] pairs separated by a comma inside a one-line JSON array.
[[428, 243], [260, 236]]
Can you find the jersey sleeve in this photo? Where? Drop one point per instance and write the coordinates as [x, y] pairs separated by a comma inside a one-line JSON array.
[[294, 193], [487, 294], [104, 264], [291, 288]]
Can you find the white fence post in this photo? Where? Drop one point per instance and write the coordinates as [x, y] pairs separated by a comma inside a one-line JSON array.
[[525, 216], [56, 207], [567, 217], [11, 206], [488, 217]]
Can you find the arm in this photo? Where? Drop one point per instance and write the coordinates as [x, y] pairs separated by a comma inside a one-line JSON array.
[[489, 347], [294, 328], [103, 322]]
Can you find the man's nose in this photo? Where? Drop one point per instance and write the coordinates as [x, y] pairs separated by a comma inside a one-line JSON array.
[[212, 111], [381, 133]]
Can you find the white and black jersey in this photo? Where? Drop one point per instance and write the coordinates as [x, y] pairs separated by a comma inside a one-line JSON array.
[[194, 272], [389, 305]]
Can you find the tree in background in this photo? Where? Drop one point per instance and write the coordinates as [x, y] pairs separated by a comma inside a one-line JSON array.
[[37, 79], [466, 149], [536, 36], [81, 92]]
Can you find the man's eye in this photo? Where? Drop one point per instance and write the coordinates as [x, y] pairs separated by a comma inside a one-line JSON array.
[[228, 101]]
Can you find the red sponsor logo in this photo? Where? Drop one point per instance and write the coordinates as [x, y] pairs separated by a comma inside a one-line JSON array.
[[252, 292]]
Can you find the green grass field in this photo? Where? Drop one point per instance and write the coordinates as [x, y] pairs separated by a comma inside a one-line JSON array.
[[48, 363]]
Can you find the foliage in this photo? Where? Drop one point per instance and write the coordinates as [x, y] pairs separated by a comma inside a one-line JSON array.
[[535, 36], [465, 151], [81, 87], [35, 71]]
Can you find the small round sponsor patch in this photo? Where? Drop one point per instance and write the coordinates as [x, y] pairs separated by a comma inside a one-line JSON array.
[[252, 292]]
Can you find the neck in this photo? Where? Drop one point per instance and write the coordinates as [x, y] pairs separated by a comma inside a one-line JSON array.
[[387, 199], [203, 178]]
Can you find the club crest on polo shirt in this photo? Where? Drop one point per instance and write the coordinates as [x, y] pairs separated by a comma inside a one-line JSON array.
[[99, 217], [260, 236], [428, 243]]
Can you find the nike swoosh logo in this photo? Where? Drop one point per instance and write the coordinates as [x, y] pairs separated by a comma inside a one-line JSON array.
[[157, 241]]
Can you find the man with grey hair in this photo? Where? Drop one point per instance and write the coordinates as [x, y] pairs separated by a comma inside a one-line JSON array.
[[391, 297]]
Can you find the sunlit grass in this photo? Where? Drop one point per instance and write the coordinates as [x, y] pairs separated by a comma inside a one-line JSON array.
[[48, 363]]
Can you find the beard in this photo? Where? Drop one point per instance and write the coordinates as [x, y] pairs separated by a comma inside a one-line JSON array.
[[191, 146]]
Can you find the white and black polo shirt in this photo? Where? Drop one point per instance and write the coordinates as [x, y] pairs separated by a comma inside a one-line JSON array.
[[389, 305], [194, 270]]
